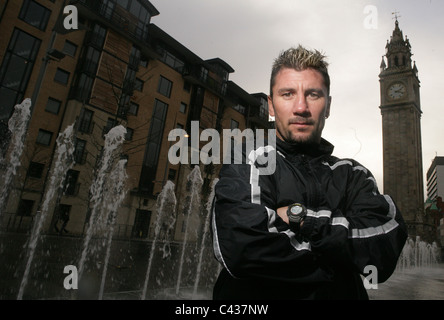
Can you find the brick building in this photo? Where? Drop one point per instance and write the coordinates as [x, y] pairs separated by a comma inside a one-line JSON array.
[[117, 68]]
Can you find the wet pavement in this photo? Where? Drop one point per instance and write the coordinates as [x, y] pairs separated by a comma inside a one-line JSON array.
[[426, 283]]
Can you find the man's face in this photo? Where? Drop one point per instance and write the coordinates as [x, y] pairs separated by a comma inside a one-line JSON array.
[[300, 105]]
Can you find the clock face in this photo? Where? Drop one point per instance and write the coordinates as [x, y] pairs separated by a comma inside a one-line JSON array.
[[396, 91]]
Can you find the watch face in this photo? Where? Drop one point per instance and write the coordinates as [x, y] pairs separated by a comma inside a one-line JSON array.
[[296, 209], [396, 91]]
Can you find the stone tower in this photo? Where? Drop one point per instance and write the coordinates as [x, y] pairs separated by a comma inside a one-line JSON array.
[[401, 129]]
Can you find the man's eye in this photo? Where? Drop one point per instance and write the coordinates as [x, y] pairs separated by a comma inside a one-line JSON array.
[[314, 95], [287, 94]]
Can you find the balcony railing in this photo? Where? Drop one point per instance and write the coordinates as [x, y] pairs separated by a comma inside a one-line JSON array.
[[219, 87], [117, 20]]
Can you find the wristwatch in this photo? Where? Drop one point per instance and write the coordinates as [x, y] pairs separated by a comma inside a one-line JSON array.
[[296, 213]]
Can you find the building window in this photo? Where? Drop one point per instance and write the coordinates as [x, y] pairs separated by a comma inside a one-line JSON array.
[[44, 137], [91, 62], [172, 174], [123, 3], [134, 58], [234, 124], [141, 224], [129, 134], [70, 48], [129, 84], [170, 59], [165, 87], [143, 62], [25, 208], [35, 170], [82, 91], [107, 8], [186, 86], [80, 151], [263, 111], [156, 132], [16, 69], [203, 74], [133, 108], [98, 36], [61, 76], [239, 108], [138, 84], [183, 107], [63, 212], [110, 123], [124, 101], [86, 123], [71, 186], [53, 105], [35, 14]]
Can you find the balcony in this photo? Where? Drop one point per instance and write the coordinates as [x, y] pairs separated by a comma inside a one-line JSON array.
[[194, 74], [114, 17], [259, 119]]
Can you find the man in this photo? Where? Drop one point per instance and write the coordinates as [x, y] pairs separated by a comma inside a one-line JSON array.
[[310, 229]]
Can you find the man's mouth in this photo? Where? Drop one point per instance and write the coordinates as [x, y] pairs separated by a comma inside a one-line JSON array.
[[301, 122]]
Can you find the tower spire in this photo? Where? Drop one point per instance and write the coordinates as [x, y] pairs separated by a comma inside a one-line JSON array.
[[398, 49], [396, 16]]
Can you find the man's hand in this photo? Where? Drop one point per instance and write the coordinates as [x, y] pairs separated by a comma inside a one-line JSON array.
[[282, 212]]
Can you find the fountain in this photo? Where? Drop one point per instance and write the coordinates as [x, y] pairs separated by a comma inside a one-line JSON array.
[[418, 254], [205, 233], [174, 269], [194, 180], [63, 162], [104, 190], [114, 194], [17, 125], [166, 207], [418, 274]]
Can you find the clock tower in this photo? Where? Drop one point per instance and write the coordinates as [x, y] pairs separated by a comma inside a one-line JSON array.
[[401, 129]]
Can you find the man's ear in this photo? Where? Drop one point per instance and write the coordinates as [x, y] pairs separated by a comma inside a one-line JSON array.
[[327, 111], [270, 106]]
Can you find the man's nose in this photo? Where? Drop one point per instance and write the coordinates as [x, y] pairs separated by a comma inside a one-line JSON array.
[[300, 105]]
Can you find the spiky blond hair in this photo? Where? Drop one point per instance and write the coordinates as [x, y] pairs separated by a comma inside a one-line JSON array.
[[300, 59]]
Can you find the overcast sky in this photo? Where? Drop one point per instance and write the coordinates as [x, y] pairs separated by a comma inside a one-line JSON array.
[[249, 34]]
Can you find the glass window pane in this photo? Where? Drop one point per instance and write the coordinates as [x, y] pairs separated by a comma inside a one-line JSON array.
[[44, 137], [35, 169], [123, 3], [135, 8], [53, 105], [35, 14], [165, 86], [8, 98], [61, 76], [25, 45], [14, 73], [70, 48], [133, 108]]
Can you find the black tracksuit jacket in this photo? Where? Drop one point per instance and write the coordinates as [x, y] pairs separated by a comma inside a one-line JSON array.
[[349, 226]]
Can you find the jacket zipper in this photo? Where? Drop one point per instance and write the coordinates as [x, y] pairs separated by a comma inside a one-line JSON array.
[[313, 189]]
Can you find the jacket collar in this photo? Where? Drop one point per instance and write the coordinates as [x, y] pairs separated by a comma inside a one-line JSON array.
[[313, 150]]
